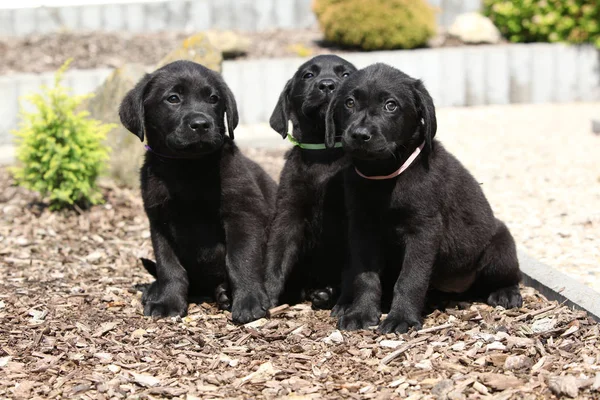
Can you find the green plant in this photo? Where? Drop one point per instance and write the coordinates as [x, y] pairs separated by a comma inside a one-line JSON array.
[[572, 21], [60, 149], [376, 24]]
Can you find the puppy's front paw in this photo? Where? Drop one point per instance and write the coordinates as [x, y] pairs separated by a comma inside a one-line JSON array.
[[164, 301], [249, 306], [322, 299], [398, 324], [508, 297], [359, 318], [274, 287]]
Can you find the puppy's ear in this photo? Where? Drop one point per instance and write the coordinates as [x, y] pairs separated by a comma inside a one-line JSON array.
[[330, 124], [281, 114], [426, 114], [131, 110], [231, 110]]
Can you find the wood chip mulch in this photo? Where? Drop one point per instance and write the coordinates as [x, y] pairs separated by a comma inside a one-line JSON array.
[[71, 326]]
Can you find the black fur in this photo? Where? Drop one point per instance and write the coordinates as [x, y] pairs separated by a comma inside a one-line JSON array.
[[429, 228], [307, 243], [208, 205]]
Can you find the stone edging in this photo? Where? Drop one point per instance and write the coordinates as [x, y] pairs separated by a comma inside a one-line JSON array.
[[558, 286], [461, 76]]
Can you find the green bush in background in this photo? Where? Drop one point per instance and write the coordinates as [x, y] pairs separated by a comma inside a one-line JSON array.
[[572, 21], [376, 24], [60, 149]]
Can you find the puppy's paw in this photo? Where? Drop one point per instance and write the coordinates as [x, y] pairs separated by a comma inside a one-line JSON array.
[[508, 297], [322, 299], [222, 297], [249, 306], [273, 294], [398, 324], [160, 301], [340, 309], [359, 318]]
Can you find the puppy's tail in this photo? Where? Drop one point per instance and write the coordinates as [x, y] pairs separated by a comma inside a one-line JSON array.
[[149, 265]]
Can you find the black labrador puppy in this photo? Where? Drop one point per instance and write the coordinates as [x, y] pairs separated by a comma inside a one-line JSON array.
[[417, 218], [307, 244], [208, 205]]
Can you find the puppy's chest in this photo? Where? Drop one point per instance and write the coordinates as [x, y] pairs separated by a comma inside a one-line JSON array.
[[396, 217], [196, 213], [198, 233], [325, 195], [192, 217]]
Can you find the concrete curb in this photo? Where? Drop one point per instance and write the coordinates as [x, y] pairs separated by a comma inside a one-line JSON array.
[[557, 286], [462, 76], [459, 76]]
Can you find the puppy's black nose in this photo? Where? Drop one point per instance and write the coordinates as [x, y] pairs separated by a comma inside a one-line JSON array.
[[361, 134], [199, 125], [326, 85]]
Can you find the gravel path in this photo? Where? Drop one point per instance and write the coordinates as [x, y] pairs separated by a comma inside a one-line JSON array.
[[540, 169]]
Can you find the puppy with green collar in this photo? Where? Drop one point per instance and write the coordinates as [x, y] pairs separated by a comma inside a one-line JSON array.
[[306, 250]]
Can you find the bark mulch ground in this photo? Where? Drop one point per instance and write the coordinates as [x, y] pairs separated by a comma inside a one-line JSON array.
[[71, 326]]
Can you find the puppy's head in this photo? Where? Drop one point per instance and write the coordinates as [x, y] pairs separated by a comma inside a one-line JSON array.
[[307, 95], [380, 111], [181, 107]]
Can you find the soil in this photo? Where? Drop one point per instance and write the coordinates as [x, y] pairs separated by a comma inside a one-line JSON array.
[[40, 53], [71, 326]]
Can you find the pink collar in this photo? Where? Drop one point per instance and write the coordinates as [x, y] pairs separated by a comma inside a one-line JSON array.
[[400, 170]]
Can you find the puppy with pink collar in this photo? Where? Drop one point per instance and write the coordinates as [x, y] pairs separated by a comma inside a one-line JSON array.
[[417, 219]]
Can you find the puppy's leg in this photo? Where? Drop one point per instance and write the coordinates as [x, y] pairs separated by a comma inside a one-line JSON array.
[[149, 265], [413, 281], [345, 299], [498, 274], [167, 296], [285, 241], [245, 239], [366, 260]]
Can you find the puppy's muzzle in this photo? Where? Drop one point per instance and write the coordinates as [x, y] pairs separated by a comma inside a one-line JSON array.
[[360, 135], [364, 142], [326, 85], [195, 133], [200, 125]]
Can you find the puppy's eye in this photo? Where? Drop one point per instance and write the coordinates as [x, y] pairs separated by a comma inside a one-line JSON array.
[[213, 99], [345, 74], [350, 103], [173, 99], [308, 75], [391, 106]]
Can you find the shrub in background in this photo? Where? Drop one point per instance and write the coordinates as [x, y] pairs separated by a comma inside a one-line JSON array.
[[60, 149], [572, 21], [376, 24]]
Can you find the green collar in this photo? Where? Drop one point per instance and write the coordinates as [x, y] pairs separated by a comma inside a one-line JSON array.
[[311, 146]]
